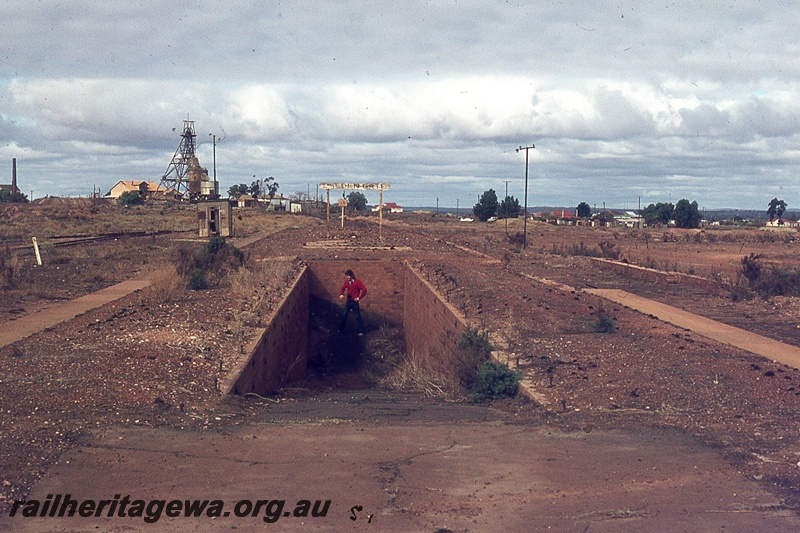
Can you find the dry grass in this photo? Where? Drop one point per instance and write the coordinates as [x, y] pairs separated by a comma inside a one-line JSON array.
[[167, 286], [9, 269], [262, 276], [76, 216], [252, 220], [260, 285], [410, 374], [245, 280]]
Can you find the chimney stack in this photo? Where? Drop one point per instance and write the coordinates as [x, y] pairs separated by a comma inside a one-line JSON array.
[[14, 188]]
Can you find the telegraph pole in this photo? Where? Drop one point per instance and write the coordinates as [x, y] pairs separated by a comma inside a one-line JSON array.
[[525, 222], [506, 200], [214, 139]]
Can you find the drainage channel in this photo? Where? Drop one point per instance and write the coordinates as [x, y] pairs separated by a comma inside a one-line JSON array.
[[404, 317]]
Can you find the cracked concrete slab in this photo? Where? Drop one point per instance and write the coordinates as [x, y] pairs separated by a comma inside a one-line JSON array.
[[389, 476]]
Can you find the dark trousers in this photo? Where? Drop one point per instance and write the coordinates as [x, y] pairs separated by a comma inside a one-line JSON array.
[[352, 305]]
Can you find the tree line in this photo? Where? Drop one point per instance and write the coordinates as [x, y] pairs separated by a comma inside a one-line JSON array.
[[13, 198], [686, 214], [488, 207], [266, 187]]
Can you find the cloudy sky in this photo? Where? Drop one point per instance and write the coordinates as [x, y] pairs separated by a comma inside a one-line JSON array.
[[625, 101]]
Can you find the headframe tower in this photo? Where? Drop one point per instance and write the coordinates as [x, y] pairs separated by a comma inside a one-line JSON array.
[[184, 174], [177, 176]]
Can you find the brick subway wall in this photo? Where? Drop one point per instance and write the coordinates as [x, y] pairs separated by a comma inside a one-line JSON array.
[[396, 294], [384, 281], [280, 354], [432, 326]]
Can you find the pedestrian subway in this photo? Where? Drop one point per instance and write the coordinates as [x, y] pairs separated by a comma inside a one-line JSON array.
[[404, 317]]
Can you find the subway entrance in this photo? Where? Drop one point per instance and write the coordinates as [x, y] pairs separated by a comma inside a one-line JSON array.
[[407, 326]]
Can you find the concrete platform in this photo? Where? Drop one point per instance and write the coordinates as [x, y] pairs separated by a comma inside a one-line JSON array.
[[746, 340], [395, 465]]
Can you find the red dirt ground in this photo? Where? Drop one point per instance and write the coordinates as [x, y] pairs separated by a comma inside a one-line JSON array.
[[146, 362]]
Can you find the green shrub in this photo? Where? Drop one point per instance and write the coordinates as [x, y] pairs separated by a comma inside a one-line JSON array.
[[130, 198], [779, 282], [609, 250], [215, 244], [494, 382], [220, 255], [207, 266], [516, 238], [604, 323], [474, 341], [751, 268], [740, 293], [197, 280], [474, 349], [769, 282]]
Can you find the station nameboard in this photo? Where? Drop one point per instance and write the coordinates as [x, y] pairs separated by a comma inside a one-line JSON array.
[[355, 186]]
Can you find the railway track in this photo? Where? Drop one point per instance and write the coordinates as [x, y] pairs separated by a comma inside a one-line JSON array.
[[60, 241]]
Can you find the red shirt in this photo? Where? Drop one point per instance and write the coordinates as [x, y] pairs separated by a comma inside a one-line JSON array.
[[355, 289]]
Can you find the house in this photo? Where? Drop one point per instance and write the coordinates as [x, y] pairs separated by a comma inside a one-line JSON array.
[[563, 217], [629, 219], [11, 188], [246, 200], [782, 223], [146, 189], [276, 203], [390, 206]]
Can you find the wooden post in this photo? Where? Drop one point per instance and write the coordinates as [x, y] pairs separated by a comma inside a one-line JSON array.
[[328, 213], [328, 206], [343, 205], [36, 249], [380, 216]]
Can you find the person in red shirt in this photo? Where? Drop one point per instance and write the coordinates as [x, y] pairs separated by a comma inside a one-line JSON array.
[[354, 290]]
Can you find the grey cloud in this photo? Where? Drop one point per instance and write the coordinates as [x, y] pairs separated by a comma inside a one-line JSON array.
[[622, 100]]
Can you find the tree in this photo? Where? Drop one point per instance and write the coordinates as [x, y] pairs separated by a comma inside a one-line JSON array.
[[486, 207], [255, 189], [509, 208], [583, 210], [357, 201], [687, 215], [660, 213], [300, 196], [237, 190], [271, 187], [776, 208], [606, 218], [130, 198], [15, 198]]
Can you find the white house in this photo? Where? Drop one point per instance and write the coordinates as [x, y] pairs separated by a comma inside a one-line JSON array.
[[391, 206], [782, 223]]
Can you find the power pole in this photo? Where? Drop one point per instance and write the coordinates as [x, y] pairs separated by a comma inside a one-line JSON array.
[[506, 200], [525, 211]]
